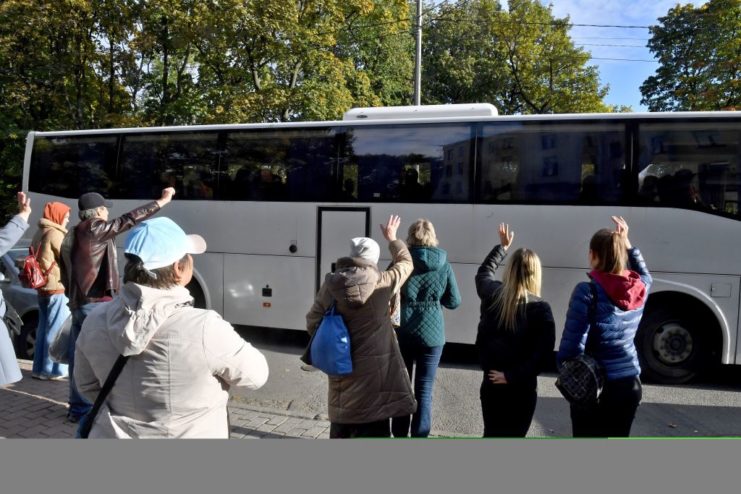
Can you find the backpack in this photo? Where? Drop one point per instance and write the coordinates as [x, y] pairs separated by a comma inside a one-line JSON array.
[[31, 274]]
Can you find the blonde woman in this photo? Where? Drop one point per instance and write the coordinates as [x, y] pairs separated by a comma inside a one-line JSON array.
[[421, 333], [516, 335]]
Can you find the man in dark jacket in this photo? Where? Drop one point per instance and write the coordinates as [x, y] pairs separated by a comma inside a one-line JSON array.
[[90, 268]]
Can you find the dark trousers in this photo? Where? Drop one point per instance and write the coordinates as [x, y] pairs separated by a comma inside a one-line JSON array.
[[613, 414], [380, 428], [421, 362], [507, 410]]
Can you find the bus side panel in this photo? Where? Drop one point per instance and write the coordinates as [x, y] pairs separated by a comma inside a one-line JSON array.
[[268, 291], [461, 323]]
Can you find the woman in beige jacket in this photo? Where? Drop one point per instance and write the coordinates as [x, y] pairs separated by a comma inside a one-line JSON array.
[[362, 403], [53, 310], [182, 360]]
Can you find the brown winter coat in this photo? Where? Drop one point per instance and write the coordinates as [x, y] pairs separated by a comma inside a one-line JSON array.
[[379, 386], [48, 242]]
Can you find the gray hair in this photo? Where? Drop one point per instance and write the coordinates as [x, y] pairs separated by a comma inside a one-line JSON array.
[[86, 214]]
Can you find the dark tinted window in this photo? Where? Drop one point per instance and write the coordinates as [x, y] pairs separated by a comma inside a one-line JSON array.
[[151, 162], [287, 165], [408, 163], [71, 166], [690, 165], [552, 163]]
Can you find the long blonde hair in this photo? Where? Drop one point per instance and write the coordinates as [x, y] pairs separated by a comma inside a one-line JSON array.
[[522, 275]]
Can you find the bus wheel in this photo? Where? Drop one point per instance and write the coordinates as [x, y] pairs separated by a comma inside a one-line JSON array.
[[25, 342], [199, 299], [671, 349]]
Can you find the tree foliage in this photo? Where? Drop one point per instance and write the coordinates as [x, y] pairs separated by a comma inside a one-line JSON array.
[[74, 64], [699, 52], [522, 60]]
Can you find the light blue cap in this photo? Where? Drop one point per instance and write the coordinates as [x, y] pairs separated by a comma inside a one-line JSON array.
[[160, 242]]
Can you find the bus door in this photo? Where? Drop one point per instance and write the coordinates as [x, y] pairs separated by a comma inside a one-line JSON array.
[[335, 228]]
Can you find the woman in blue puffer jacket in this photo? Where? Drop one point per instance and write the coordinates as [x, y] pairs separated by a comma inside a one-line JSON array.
[[622, 282]]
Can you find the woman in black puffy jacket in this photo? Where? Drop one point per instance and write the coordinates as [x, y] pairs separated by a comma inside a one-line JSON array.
[[516, 336]]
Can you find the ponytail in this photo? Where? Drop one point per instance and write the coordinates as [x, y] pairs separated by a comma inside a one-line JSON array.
[[611, 251]]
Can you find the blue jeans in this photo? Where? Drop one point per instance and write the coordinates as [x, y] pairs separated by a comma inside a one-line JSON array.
[[426, 360], [78, 406], [53, 312]]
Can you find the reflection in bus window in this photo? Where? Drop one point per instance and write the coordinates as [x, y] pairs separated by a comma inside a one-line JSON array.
[[150, 162], [564, 163], [690, 165], [280, 165], [418, 164], [71, 166]]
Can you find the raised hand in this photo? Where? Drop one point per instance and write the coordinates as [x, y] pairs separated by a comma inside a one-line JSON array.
[[621, 227], [166, 196], [390, 228], [24, 205], [505, 236]]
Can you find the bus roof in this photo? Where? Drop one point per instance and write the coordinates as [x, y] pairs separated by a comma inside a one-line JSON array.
[[425, 111], [398, 117]]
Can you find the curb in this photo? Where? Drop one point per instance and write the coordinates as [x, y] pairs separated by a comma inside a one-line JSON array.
[[323, 418]]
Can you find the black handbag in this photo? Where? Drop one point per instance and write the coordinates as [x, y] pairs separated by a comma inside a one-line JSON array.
[[581, 379]]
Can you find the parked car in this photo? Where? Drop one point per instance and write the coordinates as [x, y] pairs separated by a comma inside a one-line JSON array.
[[23, 300]]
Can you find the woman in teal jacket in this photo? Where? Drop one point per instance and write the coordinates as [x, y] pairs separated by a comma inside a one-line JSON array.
[[431, 287]]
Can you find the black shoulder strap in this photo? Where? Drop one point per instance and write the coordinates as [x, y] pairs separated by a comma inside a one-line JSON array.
[[591, 339], [109, 382]]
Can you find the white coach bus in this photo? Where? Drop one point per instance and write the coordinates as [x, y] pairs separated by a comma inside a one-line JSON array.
[[278, 204]]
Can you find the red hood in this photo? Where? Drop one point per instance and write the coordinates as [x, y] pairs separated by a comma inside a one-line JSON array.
[[626, 290]]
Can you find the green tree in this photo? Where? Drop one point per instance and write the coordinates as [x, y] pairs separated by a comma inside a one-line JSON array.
[[699, 52], [522, 60]]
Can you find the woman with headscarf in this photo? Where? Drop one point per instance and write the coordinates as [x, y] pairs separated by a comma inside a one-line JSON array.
[[53, 310], [362, 403]]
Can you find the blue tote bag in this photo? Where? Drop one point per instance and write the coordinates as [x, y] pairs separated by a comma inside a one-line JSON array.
[[329, 348]]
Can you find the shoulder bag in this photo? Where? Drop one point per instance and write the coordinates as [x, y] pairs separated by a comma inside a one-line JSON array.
[[86, 424], [580, 379], [329, 347]]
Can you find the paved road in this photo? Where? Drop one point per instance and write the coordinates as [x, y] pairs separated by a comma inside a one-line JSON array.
[[37, 409], [711, 408], [293, 402]]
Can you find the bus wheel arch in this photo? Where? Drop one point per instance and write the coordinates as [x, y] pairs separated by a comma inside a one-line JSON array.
[[678, 338], [198, 293]]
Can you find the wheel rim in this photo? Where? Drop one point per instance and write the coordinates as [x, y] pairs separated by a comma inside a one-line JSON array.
[[672, 344]]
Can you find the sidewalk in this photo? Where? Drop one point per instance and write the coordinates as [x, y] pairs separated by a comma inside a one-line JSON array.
[[37, 409]]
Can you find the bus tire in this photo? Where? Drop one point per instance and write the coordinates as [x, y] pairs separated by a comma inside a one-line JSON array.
[[199, 298], [672, 346], [25, 342]]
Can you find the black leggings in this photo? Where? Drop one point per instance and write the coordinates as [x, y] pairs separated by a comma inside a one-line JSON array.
[[380, 428], [612, 415], [507, 410]]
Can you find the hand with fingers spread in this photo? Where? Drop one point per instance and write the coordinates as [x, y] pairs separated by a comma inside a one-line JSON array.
[[390, 228], [621, 227], [505, 235]]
